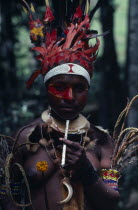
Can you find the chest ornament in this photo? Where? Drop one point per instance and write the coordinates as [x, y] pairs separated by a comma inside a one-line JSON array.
[[57, 157]]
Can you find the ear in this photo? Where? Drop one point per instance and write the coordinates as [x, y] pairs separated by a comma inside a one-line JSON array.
[[46, 85]]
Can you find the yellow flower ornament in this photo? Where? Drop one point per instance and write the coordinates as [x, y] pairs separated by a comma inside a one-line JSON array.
[[42, 166]]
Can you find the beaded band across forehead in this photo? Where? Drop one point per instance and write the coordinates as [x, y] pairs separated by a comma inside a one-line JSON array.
[[68, 68]]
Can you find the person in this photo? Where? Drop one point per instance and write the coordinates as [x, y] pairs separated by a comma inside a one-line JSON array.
[[61, 154]]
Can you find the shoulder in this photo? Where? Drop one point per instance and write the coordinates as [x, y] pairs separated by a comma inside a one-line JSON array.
[[99, 134], [103, 145], [25, 132]]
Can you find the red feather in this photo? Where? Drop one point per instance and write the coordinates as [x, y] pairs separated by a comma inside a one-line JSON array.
[[51, 37], [32, 78], [48, 17], [93, 49], [78, 14], [41, 50]]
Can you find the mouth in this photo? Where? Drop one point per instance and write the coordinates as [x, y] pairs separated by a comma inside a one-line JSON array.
[[66, 112], [68, 108]]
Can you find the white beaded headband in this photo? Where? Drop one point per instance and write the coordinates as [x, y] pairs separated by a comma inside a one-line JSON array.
[[68, 68]]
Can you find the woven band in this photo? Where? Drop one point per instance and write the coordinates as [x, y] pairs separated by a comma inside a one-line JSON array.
[[110, 177]]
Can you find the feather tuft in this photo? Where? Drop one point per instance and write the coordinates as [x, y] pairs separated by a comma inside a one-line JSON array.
[[47, 3], [125, 141], [32, 8], [25, 10]]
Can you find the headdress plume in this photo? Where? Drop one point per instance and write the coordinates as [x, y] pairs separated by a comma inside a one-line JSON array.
[[63, 35]]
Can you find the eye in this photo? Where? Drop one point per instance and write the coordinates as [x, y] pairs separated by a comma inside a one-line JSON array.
[[60, 87], [81, 87]]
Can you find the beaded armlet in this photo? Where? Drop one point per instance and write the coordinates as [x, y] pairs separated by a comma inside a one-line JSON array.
[[110, 177]]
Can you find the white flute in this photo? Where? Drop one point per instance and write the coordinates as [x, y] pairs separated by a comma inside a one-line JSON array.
[[63, 160]]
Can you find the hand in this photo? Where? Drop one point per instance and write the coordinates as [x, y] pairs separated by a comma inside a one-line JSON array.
[[76, 160], [75, 154]]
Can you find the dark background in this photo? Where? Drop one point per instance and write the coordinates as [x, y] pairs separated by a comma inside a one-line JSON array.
[[115, 77]]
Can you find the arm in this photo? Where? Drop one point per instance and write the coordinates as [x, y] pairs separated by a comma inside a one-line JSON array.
[[19, 157], [97, 192], [6, 201], [15, 176]]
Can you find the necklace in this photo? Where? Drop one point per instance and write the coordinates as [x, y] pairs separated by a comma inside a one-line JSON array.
[[56, 160], [55, 157], [77, 126]]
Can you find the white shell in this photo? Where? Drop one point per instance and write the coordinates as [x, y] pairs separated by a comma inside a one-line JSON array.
[[70, 193]]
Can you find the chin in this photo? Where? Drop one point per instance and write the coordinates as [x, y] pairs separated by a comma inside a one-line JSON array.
[[68, 116]]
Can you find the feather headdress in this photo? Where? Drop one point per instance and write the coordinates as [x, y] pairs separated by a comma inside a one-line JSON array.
[[63, 35]]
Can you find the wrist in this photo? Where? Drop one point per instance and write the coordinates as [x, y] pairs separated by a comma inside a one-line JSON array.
[[87, 174]]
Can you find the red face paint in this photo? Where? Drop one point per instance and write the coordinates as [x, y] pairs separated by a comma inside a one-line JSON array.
[[60, 91]]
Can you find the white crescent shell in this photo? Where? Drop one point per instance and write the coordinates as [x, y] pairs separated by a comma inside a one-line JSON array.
[[70, 192]]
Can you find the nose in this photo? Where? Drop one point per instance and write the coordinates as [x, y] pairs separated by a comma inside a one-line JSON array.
[[70, 95]]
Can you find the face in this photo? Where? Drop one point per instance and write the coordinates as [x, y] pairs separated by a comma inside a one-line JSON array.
[[67, 95]]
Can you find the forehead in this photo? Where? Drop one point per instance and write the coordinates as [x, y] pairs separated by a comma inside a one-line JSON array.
[[68, 79]]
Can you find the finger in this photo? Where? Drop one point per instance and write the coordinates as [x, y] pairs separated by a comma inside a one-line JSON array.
[[72, 158], [72, 163], [77, 153], [71, 151], [71, 144]]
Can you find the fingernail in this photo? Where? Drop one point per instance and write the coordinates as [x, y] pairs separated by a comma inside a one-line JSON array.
[[61, 139]]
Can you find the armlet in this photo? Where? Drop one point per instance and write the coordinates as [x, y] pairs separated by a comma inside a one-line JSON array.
[[110, 177]]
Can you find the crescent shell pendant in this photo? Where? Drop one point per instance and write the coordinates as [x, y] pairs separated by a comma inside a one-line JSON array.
[[70, 193]]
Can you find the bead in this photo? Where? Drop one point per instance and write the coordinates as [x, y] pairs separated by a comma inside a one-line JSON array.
[[34, 148], [86, 139], [28, 147], [48, 121], [91, 145], [49, 130], [43, 142]]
